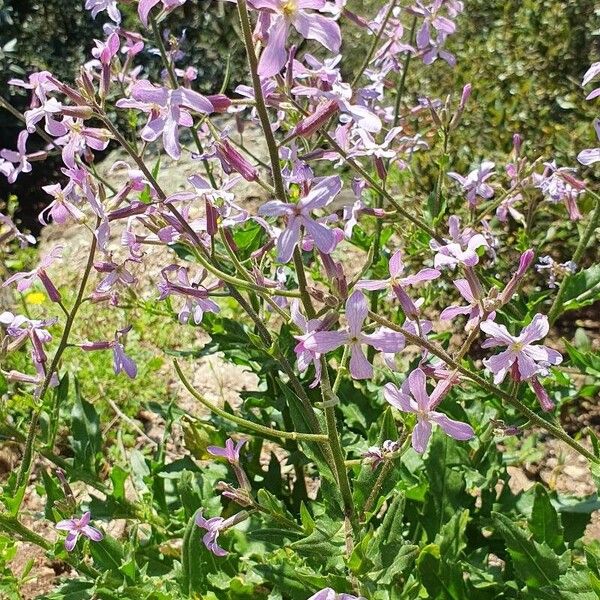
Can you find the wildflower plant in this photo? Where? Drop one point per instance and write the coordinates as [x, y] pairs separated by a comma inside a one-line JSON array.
[[365, 463]]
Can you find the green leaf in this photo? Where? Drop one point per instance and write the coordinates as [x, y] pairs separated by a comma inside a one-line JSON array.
[[582, 289], [86, 439], [535, 564], [544, 522], [446, 494]]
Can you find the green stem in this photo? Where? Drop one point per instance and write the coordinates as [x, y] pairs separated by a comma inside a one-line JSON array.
[[374, 44], [330, 400], [401, 87], [261, 107], [593, 224], [286, 435]]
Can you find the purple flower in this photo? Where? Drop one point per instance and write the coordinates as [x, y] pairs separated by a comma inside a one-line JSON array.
[[375, 455], [231, 451], [299, 216], [167, 109], [19, 158], [195, 295], [461, 248], [528, 359], [590, 74], [77, 527], [329, 594], [383, 340], [121, 362], [24, 280], [214, 526], [474, 183], [21, 328], [397, 283], [310, 25], [412, 397], [116, 273], [76, 138], [555, 270], [110, 6], [473, 309], [61, 209], [145, 6], [304, 356], [591, 155]]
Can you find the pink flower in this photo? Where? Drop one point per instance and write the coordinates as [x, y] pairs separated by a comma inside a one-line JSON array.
[[196, 295], [474, 183], [77, 527], [231, 451], [61, 209], [329, 594], [396, 283], [473, 308], [591, 155], [310, 25], [145, 6], [214, 527], [168, 109], [304, 356], [383, 340], [24, 280], [299, 217], [528, 359], [77, 138], [110, 6], [412, 397], [18, 158], [461, 248]]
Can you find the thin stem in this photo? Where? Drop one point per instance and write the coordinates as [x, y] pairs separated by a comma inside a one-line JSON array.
[[374, 44], [261, 107], [593, 224], [286, 435], [402, 84], [517, 404], [330, 400]]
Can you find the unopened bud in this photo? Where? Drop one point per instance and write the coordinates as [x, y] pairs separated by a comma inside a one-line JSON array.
[[307, 126]]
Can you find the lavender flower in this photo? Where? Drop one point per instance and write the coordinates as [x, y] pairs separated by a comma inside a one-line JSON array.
[[25, 279], [591, 155], [214, 527], [590, 74], [168, 109], [461, 248], [76, 527], [412, 397], [231, 451], [110, 6], [474, 183], [383, 339], [396, 283], [473, 308], [310, 25], [299, 216], [195, 295], [555, 270], [121, 362], [526, 359], [329, 594]]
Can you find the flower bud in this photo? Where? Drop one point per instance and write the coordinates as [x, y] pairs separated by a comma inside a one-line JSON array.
[[307, 126], [220, 102], [231, 159]]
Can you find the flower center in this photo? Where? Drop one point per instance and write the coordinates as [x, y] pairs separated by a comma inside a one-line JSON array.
[[289, 8], [517, 346]]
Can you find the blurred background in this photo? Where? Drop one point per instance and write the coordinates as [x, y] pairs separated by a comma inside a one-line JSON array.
[[525, 59]]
